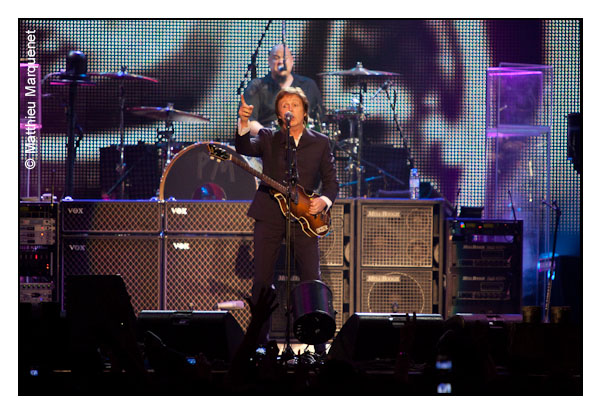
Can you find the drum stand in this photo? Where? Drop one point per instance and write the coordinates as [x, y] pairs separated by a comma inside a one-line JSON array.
[[356, 162], [72, 128], [166, 136], [121, 165], [353, 150]]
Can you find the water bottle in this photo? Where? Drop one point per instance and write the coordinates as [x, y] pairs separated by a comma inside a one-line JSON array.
[[414, 184]]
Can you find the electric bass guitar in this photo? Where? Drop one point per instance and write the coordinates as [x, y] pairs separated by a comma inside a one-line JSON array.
[[313, 225]]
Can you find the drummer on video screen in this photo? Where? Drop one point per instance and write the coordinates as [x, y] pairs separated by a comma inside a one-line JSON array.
[[261, 92]]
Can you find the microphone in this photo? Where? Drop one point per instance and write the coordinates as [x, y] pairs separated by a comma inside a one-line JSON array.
[[288, 116], [384, 86], [281, 68]]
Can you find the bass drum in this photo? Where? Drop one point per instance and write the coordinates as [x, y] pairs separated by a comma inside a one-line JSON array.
[[192, 175]]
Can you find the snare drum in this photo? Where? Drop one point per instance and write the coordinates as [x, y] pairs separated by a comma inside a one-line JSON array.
[[192, 175]]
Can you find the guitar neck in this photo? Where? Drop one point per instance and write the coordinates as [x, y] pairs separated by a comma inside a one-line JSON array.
[[270, 181]]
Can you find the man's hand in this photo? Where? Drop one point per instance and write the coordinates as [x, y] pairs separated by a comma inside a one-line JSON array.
[[317, 205], [244, 112]]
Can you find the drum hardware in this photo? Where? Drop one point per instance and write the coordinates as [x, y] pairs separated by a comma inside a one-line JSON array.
[[397, 124], [357, 116], [192, 175], [358, 70], [169, 115], [358, 165], [122, 76], [74, 75]]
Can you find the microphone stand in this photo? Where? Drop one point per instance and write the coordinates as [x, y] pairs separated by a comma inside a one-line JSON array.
[[397, 124], [284, 40], [291, 196], [252, 66]]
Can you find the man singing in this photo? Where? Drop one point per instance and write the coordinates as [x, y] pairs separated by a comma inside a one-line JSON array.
[[314, 163]]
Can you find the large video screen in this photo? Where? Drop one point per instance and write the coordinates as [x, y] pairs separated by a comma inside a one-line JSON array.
[[433, 113]]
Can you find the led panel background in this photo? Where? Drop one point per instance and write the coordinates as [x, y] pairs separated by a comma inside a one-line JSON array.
[[200, 64]]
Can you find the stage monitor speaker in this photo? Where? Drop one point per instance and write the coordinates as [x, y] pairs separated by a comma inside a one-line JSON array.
[[95, 216], [137, 259], [215, 334], [202, 271], [100, 316], [95, 299], [208, 217], [371, 336]]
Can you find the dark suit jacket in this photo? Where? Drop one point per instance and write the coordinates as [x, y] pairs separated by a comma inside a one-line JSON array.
[[314, 159]]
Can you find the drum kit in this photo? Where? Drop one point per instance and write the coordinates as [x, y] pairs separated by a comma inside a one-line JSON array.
[[77, 74], [354, 115]]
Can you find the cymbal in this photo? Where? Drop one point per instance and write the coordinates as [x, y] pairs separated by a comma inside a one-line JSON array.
[[358, 70], [123, 75], [167, 114], [344, 113]]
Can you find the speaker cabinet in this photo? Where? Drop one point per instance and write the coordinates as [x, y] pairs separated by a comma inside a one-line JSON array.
[[332, 246], [395, 234], [398, 255], [95, 217], [396, 290], [202, 271], [137, 259], [208, 217]]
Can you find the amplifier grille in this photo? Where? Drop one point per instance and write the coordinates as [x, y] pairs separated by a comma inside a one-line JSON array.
[[208, 217], [135, 258], [111, 217], [200, 272], [396, 236], [396, 291]]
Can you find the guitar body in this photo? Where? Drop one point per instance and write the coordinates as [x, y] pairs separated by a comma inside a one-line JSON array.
[[313, 225]]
